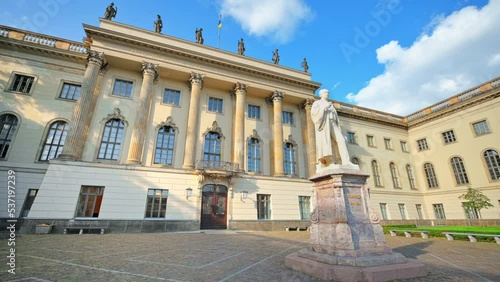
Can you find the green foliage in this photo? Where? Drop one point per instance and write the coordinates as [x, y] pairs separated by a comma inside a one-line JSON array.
[[476, 200], [437, 231]]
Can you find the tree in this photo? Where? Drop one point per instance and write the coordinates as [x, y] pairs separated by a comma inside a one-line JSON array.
[[476, 200]]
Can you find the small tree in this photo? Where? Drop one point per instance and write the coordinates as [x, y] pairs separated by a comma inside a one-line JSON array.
[[476, 200]]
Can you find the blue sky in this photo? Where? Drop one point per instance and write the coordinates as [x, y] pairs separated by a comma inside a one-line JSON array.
[[391, 55]]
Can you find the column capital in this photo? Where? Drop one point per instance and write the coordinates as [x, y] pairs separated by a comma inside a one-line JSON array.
[[150, 69], [196, 78], [277, 96], [95, 57], [308, 104], [240, 87], [104, 69]]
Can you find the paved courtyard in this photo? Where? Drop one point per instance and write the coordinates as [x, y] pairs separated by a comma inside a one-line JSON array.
[[217, 256]]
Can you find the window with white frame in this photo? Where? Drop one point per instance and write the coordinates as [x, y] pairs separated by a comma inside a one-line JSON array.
[[402, 211], [430, 175], [172, 97], [411, 178], [70, 91], [54, 142], [459, 170], [22, 83], [156, 203], [253, 112], [492, 160], [351, 137], [111, 141], [439, 211], [419, 211], [287, 118], [449, 136], [470, 212], [404, 146], [215, 105], [370, 140], [165, 141], [481, 128], [89, 202], [8, 128], [383, 211], [422, 144], [263, 206], [305, 207], [289, 160], [211, 149], [394, 174], [253, 148], [388, 143], [122, 88], [376, 173]]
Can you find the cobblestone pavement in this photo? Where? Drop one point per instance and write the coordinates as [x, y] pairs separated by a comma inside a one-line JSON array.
[[217, 256]]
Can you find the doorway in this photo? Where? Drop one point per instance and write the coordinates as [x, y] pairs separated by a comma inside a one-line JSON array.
[[214, 207]]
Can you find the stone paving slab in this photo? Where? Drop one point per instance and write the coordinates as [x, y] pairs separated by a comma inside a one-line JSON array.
[[217, 256]]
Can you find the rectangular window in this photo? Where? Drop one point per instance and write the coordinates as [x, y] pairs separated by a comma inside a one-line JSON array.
[[419, 211], [351, 137], [22, 83], [156, 203], [263, 206], [402, 211], [172, 97], [253, 112], [470, 212], [289, 159], [90, 201], [305, 207], [422, 144], [439, 211], [388, 143], [214, 105], [370, 140], [287, 118], [481, 127], [30, 198], [449, 137], [123, 88], [404, 146], [70, 91], [383, 211]]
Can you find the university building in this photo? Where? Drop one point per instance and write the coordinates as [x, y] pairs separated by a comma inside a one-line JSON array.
[[143, 132]]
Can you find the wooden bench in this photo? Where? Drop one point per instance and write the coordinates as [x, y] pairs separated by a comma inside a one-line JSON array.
[[471, 236], [296, 228], [424, 234], [75, 225]]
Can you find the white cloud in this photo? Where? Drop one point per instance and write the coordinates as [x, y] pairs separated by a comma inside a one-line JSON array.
[[276, 19], [459, 52]]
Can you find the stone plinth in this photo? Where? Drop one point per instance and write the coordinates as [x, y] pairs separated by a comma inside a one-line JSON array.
[[347, 241]]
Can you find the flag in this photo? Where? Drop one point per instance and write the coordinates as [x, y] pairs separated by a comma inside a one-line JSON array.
[[219, 25]]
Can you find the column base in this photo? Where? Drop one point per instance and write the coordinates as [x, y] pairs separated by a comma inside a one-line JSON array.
[[187, 166], [280, 174], [67, 157], [133, 162]]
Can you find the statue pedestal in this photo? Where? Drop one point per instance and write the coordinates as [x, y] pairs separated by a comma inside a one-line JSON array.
[[347, 241]]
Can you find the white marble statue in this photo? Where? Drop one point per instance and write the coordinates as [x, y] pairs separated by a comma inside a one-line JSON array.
[[330, 143]]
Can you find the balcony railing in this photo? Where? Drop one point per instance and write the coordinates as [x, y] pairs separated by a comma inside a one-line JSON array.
[[217, 165]]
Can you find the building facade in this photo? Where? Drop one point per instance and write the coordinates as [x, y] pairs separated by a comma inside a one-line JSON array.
[[142, 132]]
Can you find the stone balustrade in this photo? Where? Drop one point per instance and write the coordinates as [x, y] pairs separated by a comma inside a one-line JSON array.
[[4, 32], [217, 165]]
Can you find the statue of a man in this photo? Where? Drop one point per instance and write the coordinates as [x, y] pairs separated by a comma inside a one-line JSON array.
[[305, 66], [276, 57], [329, 138], [158, 24], [241, 47], [110, 11], [199, 36]]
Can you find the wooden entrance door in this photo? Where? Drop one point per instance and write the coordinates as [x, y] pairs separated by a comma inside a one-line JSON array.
[[214, 207]]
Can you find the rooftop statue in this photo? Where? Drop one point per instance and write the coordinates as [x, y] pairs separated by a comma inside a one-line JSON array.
[[110, 11], [241, 47], [331, 147], [305, 66], [276, 56], [158, 24], [199, 36]]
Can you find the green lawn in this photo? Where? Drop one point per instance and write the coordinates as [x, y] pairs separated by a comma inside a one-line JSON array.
[[436, 231]]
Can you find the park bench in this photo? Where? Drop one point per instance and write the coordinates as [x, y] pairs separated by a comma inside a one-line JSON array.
[[296, 228], [424, 234], [472, 236], [75, 225]]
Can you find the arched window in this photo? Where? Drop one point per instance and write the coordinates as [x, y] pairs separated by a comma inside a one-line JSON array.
[[54, 142], [253, 147], [430, 174], [8, 128], [394, 174], [376, 173], [459, 170], [211, 149], [289, 159], [492, 160], [111, 141], [411, 178], [165, 140]]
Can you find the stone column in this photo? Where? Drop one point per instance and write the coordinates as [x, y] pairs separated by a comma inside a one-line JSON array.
[[311, 138], [277, 98], [239, 126], [149, 76], [83, 110], [196, 84]]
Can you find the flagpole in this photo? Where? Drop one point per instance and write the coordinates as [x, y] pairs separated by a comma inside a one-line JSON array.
[[218, 33]]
